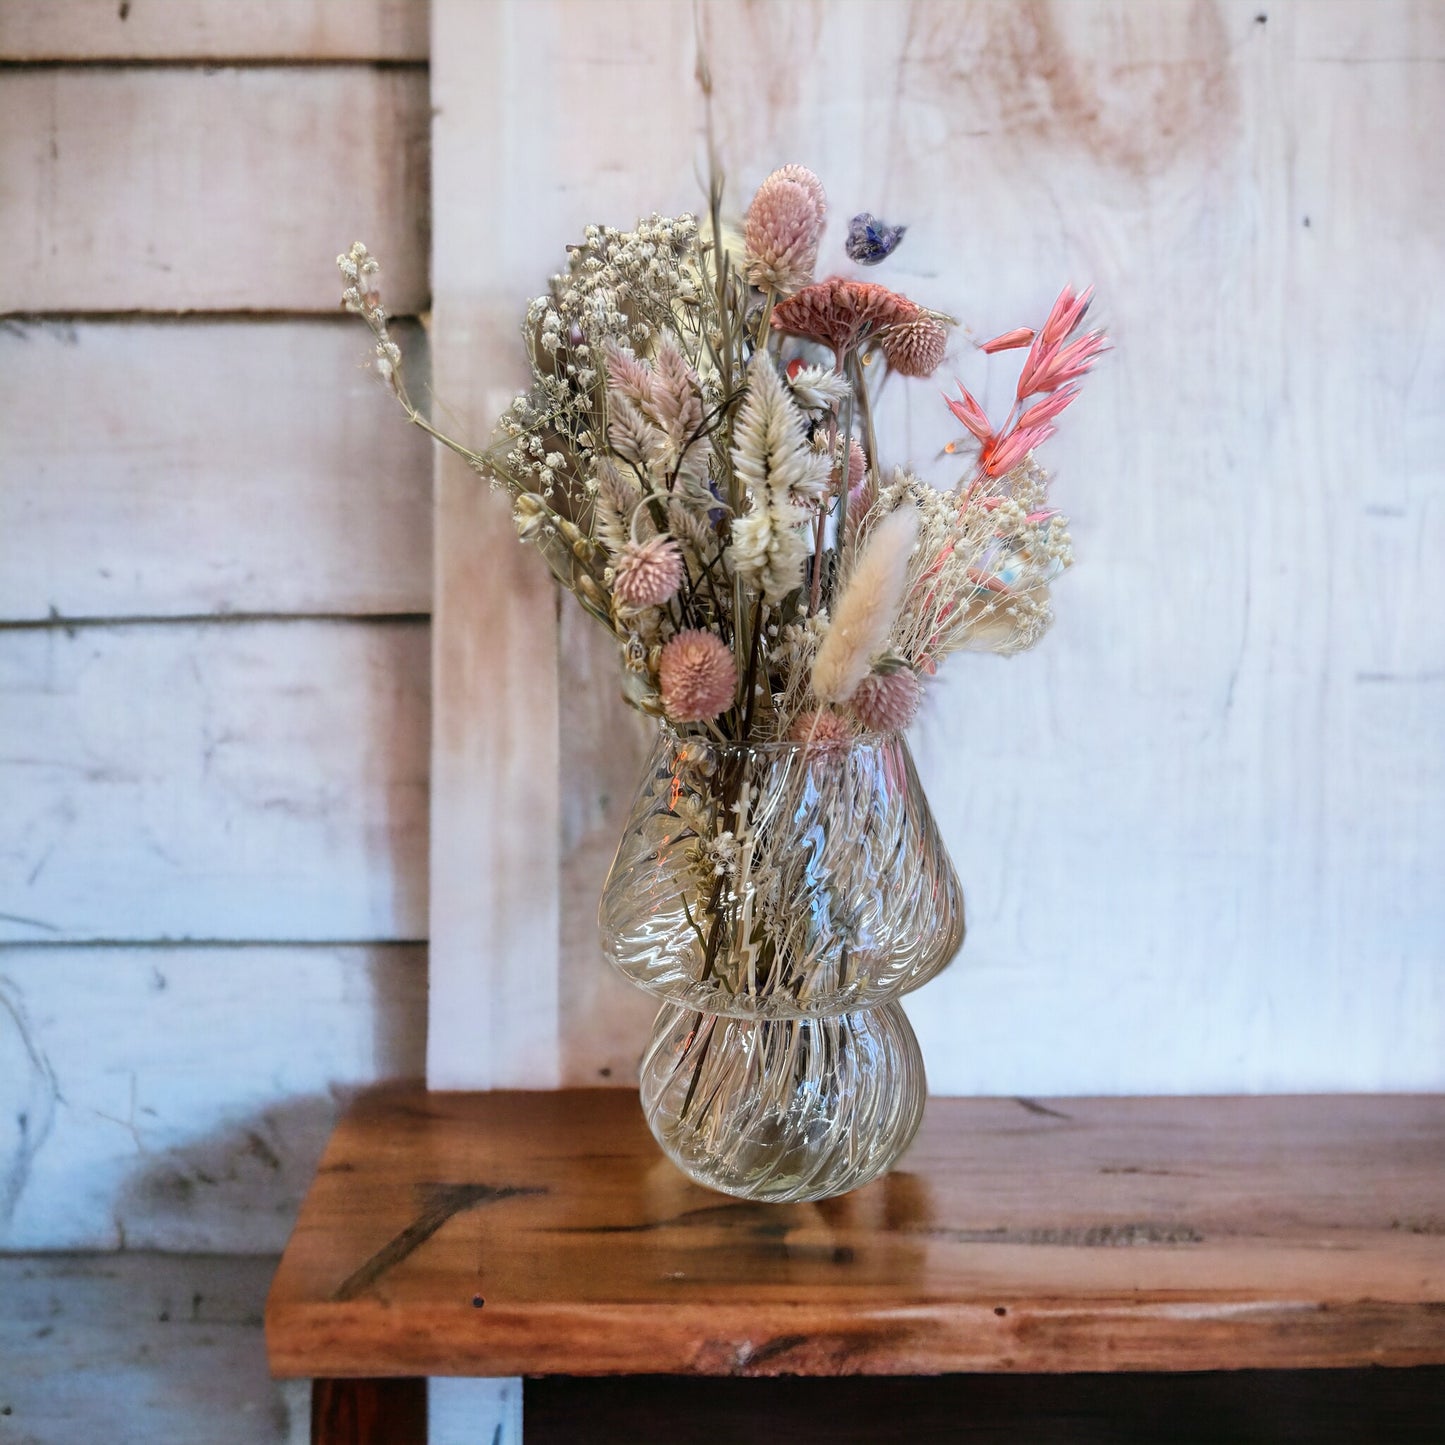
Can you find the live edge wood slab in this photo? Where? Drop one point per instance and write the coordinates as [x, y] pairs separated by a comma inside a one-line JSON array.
[[544, 1233]]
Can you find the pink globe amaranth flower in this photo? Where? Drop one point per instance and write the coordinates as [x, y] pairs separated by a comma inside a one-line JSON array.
[[696, 676], [821, 729], [886, 702], [647, 573], [915, 348], [782, 229], [840, 312]]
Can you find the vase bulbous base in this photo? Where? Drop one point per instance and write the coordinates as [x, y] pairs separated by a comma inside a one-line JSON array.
[[783, 1110]]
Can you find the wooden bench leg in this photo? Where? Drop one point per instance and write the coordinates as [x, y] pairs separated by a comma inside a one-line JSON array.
[[368, 1412]]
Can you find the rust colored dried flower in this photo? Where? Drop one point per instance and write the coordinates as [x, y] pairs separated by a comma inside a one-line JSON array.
[[696, 676], [885, 702], [647, 573], [782, 229], [839, 312], [916, 347], [821, 729]]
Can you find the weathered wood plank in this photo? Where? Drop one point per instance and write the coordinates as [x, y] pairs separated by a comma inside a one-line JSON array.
[[138, 1349], [602, 1019], [179, 1098], [240, 781], [114, 198], [495, 794], [1074, 1235], [213, 30], [1200, 828], [188, 467]]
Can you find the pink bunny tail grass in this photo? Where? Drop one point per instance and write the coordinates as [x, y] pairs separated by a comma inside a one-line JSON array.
[[696, 676], [886, 702]]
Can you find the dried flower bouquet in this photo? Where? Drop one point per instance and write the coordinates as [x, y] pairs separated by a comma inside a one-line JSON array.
[[696, 458]]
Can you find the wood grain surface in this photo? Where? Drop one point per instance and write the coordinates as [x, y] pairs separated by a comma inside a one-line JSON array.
[[178, 1098], [253, 780], [1200, 828], [213, 30], [114, 198], [544, 1233], [140, 1349], [149, 466]]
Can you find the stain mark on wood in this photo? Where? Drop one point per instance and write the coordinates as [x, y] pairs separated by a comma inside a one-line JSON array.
[[783, 1345], [442, 1202], [1095, 1236], [1034, 1107]]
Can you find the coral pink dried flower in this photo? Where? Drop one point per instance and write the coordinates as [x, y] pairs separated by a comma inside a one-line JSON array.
[[857, 467], [647, 573], [822, 729], [1008, 341], [915, 348], [886, 702], [782, 229], [839, 312], [970, 413], [696, 676]]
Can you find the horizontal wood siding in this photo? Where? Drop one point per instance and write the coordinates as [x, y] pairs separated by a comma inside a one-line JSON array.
[[156, 468], [188, 431], [136, 1349], [213, 30], [215, 781], [159, 189], [179, 1098]]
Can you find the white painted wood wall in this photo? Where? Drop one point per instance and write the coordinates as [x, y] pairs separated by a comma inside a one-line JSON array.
[[1201, 829], [215, 587]]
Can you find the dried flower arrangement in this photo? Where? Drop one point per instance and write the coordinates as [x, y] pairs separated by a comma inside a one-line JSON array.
[[696, 458]]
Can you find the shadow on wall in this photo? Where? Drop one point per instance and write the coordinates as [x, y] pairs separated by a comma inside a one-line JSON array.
[[240, 1187]]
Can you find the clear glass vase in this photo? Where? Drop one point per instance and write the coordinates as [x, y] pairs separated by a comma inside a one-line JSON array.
[[777, 879], [783, 1109], [778, 898]]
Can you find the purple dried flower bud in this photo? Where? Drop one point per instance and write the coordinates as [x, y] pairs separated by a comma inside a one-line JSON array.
[[871, 240]]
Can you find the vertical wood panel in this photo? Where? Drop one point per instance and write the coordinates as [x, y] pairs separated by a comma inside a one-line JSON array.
[[494, 885], [1200, 828]]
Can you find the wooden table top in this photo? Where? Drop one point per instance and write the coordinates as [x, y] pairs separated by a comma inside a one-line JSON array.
[[544, 1233]]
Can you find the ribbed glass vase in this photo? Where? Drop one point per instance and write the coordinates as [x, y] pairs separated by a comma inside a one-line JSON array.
[[778, 898]]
